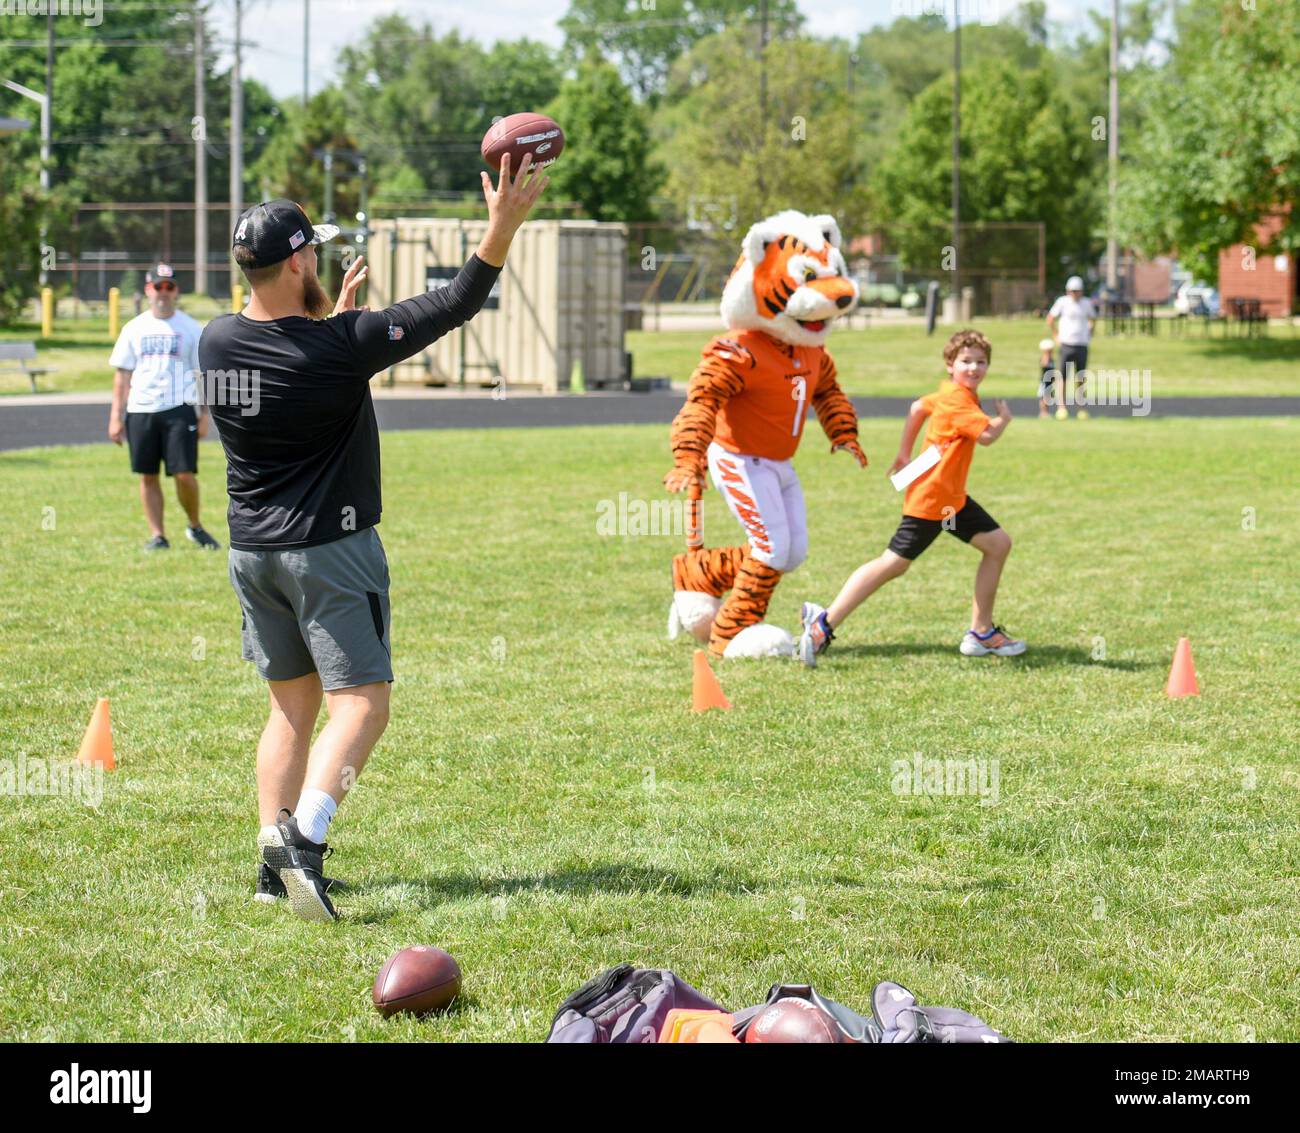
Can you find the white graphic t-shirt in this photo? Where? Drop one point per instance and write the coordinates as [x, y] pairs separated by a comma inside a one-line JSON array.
[[1073, 316], [163, 355]]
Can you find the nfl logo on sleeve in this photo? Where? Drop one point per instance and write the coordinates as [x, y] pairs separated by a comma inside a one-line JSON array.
[[395, 333]]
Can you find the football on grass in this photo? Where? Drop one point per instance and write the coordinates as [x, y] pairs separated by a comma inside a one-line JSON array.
[[417, 981], [520, 134], [791, 1020]]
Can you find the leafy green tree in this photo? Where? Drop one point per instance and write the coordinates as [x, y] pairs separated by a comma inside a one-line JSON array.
[[1218, 149], [608, 168], [419, 104], [646, 37], [727, 166], [1023, 152]]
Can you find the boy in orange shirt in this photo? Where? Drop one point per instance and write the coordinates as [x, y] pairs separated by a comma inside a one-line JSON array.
[[935, 502]]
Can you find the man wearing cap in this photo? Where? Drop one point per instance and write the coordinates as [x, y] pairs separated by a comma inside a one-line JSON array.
[[155, 394], [304, 485], [1077, 319]]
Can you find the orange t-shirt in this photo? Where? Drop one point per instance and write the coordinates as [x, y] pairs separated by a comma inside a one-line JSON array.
[[956, 421], [767, 417]]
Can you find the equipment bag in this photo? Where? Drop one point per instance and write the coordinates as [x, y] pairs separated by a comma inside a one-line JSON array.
[[895, 1018], [624, 1005]]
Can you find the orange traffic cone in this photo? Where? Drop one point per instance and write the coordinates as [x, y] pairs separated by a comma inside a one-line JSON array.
[[706, 692], [1182, 675], [97, 743]]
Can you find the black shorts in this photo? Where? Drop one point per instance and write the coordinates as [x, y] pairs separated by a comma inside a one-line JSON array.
[[914, 535], [170, 435]]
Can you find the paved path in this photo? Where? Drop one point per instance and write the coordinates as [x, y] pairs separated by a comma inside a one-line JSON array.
[[71, 419]]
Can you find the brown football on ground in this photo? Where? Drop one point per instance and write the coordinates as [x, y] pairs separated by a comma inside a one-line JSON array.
[[791, 1020], [416, 980], [520, 134]]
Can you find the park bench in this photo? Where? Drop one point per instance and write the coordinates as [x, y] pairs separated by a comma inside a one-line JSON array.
[[22, 353]]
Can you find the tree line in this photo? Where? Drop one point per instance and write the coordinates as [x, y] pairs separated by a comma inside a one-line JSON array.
[[679, 115]]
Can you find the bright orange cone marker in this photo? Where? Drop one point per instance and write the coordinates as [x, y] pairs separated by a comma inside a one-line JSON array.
[[706, 692], [1182, 676], [97, 743]]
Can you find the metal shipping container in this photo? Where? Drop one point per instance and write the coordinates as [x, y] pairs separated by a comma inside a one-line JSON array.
[[559, 300]]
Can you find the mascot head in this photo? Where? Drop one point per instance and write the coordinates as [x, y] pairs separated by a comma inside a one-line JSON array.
[[791, 280]]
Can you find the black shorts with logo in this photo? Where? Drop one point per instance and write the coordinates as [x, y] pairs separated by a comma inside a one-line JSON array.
[[914, 535], [170, 435]]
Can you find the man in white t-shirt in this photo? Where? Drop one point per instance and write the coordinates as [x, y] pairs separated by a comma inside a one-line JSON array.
[[156, 364], [1077, 318]]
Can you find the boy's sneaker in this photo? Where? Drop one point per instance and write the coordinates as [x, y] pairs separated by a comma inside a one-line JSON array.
[[1062, 414], [1082, 415], [271, 889], [997, 640], [816, 635], [202, 538], [297, 863], [157, 543]]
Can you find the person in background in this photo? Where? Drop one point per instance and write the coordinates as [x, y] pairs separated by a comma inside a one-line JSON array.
[[1047, 375], [1077, 318], [157, 406]]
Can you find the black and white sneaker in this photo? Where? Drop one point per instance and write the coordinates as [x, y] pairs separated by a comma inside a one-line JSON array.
[[297, 864], [157, 543], [271, 889], [202, 538]]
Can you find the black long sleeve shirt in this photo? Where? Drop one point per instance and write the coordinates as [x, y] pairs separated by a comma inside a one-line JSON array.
[[291, 399]]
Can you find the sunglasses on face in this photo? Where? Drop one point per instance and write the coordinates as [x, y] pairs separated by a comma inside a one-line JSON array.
[[164, 286]]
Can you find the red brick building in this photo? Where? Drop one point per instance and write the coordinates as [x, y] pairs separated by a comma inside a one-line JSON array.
[[1246, 273]]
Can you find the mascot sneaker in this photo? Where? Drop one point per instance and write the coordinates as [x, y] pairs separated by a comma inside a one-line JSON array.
[[693, 612], [816, 635], [760, 640], [996, 641]]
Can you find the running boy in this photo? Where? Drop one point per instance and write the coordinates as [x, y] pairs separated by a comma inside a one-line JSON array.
[[935, 502]]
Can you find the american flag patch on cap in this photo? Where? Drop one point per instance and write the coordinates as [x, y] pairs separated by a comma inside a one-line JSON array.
[[296, 239]]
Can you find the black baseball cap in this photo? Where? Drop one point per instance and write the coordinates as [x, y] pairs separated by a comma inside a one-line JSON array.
[[160, 272], [274, 230]]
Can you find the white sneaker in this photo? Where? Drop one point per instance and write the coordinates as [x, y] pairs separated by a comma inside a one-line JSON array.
[[997, 640], [816, 635]]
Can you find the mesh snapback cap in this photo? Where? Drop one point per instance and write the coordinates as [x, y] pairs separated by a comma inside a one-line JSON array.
[[274, 230]]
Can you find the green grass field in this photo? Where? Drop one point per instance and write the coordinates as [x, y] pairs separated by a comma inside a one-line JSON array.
[[881, 360], [544, 804], [886, 360]]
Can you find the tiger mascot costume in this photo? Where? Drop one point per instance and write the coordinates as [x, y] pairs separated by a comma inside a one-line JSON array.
[[743, 418]]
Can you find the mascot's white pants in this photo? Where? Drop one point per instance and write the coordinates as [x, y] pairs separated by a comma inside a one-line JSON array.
[[766, 497]]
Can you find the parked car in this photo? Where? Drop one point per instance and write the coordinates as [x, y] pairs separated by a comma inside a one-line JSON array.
[[1197, 299]]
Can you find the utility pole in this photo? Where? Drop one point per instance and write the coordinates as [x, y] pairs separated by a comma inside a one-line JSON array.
[[306, 43], [200, 160], [45, 135], [762, 105], [1112, 153], [236, 126], [956, 153]]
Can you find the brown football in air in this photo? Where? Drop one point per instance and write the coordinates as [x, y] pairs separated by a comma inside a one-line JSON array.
[[520, 134], [791, 1020], [416, 980]]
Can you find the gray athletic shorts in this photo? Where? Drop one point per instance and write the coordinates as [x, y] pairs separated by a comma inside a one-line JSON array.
[[318, 609]]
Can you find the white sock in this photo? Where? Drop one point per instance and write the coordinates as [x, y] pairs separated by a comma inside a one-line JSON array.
[[314, 814]]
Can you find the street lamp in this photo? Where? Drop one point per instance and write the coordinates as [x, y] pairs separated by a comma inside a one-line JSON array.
[[27, 92]]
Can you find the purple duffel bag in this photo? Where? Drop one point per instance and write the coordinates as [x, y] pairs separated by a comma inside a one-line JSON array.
[[624, 1005]]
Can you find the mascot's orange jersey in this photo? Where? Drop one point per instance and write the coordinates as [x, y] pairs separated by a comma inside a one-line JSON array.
[[751, 393]]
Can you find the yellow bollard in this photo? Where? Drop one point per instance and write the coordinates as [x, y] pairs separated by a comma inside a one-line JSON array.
[[114, 312], [47, 312], [236, 298]]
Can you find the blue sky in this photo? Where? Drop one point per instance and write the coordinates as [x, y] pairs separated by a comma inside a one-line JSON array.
[[275, 26]]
